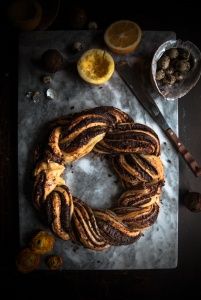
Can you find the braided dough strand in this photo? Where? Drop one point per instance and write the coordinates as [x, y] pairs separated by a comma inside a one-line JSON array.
[[134, 152]]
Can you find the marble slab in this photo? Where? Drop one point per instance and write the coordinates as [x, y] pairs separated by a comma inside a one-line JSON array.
[[90, 178]]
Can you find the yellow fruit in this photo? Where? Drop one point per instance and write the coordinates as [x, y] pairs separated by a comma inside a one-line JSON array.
[[96, 66], [26, 15], [42, 242], [123, 36]]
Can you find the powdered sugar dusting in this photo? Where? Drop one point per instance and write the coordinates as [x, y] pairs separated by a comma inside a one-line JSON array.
[[91, 178], [85, 165]]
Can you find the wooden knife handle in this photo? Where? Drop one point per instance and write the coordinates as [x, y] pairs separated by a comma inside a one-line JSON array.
[[196, 169]]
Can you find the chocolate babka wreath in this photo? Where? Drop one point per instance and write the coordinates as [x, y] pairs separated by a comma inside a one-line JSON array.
[[133, 150]]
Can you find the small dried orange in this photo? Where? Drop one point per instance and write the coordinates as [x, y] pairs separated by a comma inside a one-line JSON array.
[[96, 66], [27, 261], [26, 15], [42, 242], [123, 36]]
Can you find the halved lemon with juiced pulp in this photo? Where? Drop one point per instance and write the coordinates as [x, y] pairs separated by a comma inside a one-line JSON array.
[[96, 66], [123, 36]]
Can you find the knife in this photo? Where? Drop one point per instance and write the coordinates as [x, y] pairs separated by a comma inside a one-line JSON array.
[[129, 77]]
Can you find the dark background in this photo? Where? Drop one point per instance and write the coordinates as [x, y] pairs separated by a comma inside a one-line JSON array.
[[184, 19]]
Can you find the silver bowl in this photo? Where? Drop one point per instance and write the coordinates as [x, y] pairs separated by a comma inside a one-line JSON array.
[[181, 88]]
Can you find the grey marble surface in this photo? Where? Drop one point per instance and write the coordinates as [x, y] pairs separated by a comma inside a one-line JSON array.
[[90, 178]]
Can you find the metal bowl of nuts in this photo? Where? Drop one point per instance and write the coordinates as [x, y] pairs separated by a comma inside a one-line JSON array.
[[175, 68]]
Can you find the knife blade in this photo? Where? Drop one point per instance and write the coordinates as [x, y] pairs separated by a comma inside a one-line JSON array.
[[137, 88]]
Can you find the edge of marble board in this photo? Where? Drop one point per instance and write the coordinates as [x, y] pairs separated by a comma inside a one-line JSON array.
[[176, 258]]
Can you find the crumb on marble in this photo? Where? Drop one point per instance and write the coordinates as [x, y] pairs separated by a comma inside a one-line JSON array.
[[75, 248]]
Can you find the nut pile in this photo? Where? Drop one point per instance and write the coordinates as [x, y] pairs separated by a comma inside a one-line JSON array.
[[173, 66]]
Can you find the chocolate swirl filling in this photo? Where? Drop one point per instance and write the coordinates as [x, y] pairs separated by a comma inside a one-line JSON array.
[[133, 150]]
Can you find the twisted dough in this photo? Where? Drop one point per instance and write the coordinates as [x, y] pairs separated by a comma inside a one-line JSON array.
[[133, 150]]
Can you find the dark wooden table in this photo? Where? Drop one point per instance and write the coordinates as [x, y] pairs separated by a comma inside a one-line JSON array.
[[94, 285]]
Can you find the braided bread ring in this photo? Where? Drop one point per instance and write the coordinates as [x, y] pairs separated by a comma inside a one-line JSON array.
[[133, 150]]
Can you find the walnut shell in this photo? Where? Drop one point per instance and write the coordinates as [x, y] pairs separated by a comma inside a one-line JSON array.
[[160, 74], [77, 17], [183, 66], [169, 71], [169, 79], [193, 201], [52, 60], [178, 76], [173, 53], [164, 62]]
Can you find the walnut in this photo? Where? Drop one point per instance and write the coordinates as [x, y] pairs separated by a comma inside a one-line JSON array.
[[160, 74], [173, 53], [36, 96], [52, 60], [193, 201], [46, 79]]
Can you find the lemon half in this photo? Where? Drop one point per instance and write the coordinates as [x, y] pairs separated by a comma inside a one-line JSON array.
[[123, 36], [96, 66]]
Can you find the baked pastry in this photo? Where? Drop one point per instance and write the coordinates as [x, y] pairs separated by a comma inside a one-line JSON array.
[[134, 152]]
